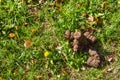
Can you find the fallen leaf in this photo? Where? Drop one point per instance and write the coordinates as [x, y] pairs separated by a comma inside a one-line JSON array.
[[27, 43], [84, 14], [11, 35], [33, 30], [91, 18]]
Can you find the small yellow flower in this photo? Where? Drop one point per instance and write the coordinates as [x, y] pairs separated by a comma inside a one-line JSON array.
[[46, 54]]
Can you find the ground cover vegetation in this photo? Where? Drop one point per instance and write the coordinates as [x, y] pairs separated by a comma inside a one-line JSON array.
[[33, 44]]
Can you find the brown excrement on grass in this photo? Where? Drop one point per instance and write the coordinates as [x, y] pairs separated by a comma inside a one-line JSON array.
[[84, 42]]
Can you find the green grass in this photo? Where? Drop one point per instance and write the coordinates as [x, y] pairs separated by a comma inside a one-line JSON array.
[[44, 26]]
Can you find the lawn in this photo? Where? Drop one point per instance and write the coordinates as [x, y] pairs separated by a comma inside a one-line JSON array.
[[33, 44]]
